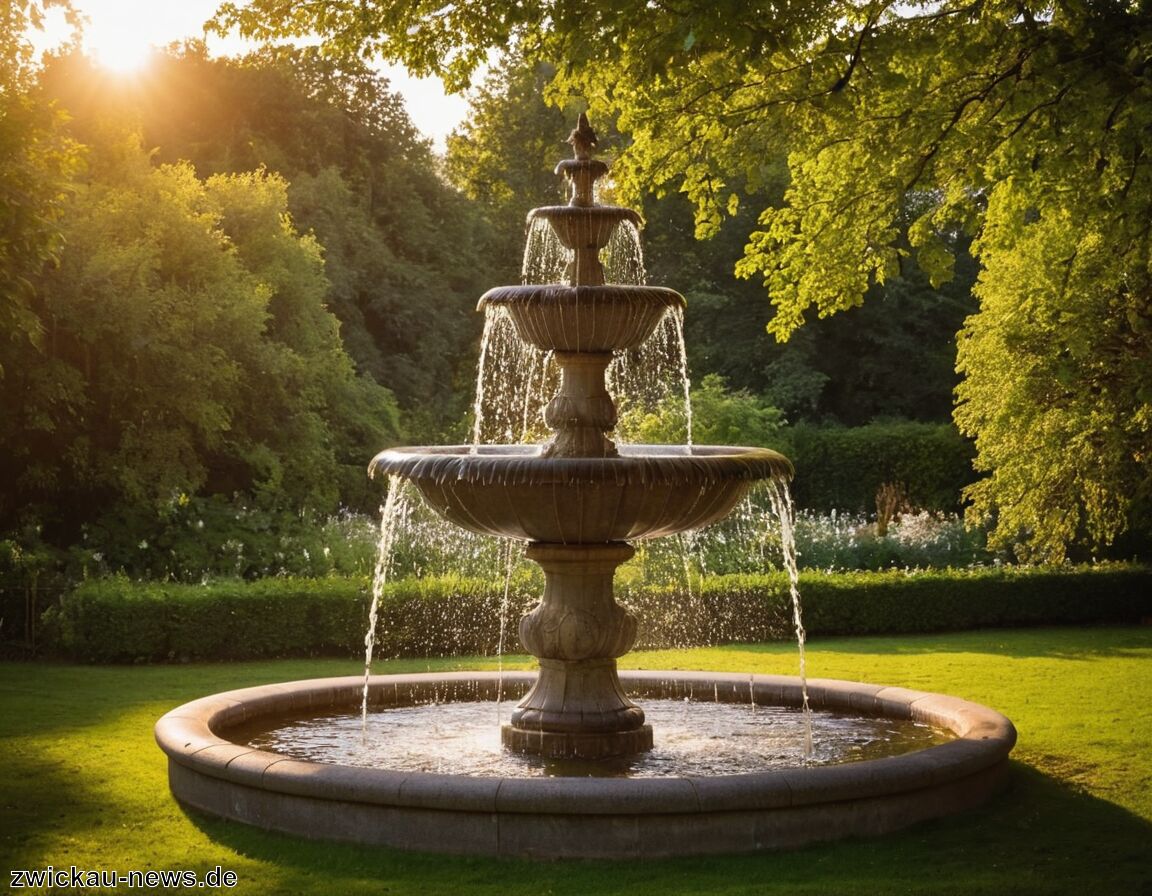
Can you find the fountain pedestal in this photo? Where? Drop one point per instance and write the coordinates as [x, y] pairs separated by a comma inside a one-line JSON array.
[[583, 411], [577, 706]]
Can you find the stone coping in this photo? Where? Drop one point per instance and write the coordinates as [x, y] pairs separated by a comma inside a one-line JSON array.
[[194, 736]]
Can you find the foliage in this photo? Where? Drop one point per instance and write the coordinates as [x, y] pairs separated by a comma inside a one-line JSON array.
[[949, 600], [719, 417], [115, 620], [199, 539], [892, 357], [1058, 365], [405, 254], [1027, 119], [503, 155], [840, 468], [186, 350], [36, 163], [749, 542]]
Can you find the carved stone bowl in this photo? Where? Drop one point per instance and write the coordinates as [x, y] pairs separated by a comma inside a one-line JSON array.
[[584, 318], [584, 227], [648, 491]]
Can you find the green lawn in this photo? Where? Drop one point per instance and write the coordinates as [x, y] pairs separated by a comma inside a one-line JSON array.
[[83, 784]]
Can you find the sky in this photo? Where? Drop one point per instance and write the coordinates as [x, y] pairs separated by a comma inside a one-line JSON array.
[[120, 33]]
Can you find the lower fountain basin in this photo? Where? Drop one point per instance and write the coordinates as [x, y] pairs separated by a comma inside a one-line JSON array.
[[648, 491], [582, 817]]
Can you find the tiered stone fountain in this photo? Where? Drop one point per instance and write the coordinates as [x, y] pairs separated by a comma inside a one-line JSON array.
[[577, 501], [579, 498]]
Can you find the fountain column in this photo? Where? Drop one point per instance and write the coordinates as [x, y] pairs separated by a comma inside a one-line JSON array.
[[583, 412], [577, 706]]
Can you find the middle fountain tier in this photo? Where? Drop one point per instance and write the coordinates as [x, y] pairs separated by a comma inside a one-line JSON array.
[[578, 498]]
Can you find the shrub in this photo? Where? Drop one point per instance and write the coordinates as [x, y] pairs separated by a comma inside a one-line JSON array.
[[841, 468], [115, 620]]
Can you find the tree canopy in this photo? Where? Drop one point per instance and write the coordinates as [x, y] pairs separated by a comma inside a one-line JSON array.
[[404, 253], [36, 162], [1022, 122], [892, 357], [217, 281], [185, 349]]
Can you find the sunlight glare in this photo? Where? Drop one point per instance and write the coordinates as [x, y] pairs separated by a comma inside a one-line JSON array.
[[121, 50]]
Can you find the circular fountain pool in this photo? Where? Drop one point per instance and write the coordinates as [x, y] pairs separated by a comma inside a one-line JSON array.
[[693, 738], [211, 768]]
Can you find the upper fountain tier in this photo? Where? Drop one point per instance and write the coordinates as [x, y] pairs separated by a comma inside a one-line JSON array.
[[582, 226], [584, 314], [638, 493]]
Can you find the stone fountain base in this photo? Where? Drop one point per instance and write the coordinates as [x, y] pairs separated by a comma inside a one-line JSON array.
[[582, 817], [577, 708]]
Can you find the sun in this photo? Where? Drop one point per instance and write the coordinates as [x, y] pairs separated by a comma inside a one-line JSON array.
[[121, 51], [124, 35], [120, 57]]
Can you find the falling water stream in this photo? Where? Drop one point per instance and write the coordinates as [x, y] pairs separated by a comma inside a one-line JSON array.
[[781, 497], [394, 509], [505, 600]]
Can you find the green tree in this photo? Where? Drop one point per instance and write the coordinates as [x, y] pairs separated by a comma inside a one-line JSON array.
[[186, 350], [1058, 370], [504, 154], [405, 253], [892, 357], [36, 162], [1039, 110], [720, 416], [306, 421]]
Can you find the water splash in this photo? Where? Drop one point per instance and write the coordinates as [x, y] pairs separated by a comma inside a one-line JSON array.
[[653, 380], [781, 498], [391, 515], [511, 561], [623, 257], [514, 380], [545, 258], [685, 380], [478, 410]]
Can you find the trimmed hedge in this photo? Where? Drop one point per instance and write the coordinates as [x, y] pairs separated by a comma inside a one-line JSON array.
[[840, 468], [115, 620], [904, 602], [118, 621]]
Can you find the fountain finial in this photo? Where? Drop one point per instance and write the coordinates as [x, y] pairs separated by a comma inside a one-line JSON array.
[[582, 138], [582, 171]]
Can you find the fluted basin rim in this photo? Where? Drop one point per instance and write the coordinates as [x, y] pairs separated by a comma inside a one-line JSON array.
[[560, 293], [637, 465], [608, 212]]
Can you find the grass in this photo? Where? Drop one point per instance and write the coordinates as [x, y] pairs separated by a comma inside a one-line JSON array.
[[83, 784]]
